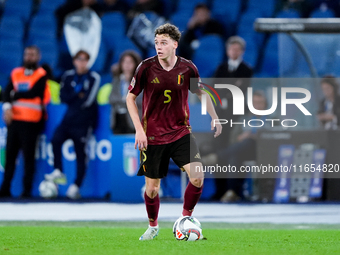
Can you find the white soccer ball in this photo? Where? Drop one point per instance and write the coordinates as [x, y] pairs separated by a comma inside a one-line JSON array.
[[48, 189], [187, 228]]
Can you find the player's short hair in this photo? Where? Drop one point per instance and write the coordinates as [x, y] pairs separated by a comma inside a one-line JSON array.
[[81, 52], [236, 39], [169, 29], [34, 47], [331, 80]]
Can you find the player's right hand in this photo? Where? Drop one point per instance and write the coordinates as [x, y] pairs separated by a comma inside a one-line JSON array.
[[141, 141], [218, 127]]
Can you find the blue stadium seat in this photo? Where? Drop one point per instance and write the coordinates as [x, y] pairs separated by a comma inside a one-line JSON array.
[[322, 57], [270, 63], [4, 79], [245, 28], [265, 7], [19, 8], [113, 27], [168, 7], [180, 19], [335, 69], [121, 46], [322, 13], [287, 53], [150, 53], [130, 2], [105, 78], [12, 28], [49, 52], [189, 6], [289, 14], [226, 10], [48, 6], [100, 63], [64, 58], [209, 55], [10, 56], [252, 52], [42, 27]]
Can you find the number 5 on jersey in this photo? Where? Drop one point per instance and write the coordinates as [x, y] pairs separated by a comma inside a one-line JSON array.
[[166, 94]]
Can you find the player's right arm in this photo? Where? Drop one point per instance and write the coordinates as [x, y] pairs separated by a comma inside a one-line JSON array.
[[141, 140], [135, 88]]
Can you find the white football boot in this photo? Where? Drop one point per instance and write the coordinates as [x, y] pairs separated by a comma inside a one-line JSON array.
[[73, 192], [150, 233], [57, 177]]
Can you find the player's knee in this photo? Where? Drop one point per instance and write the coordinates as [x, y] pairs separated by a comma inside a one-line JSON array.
[[152, 191], [197, 182]]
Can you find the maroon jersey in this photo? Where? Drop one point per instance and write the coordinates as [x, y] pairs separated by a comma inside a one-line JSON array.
[[165, 98]]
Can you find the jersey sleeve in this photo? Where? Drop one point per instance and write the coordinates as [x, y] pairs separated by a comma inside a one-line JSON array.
[[195, 83], [137, 83]]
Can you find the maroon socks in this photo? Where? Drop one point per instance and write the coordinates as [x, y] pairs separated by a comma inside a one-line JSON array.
[[152, 208], [191, 196]]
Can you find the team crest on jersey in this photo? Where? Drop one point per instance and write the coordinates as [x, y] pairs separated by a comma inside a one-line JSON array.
[[180, 79], [133, 82]]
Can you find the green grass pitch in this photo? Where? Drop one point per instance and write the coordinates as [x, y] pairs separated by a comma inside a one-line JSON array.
[[122, 238]]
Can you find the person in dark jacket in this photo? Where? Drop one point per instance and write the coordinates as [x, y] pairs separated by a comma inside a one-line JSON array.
[[329, 109], [114, 6], [200, 24], [141, 6], [235, 71], [79, 90]]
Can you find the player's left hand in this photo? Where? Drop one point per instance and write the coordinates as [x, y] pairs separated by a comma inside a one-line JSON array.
[[218, 127]]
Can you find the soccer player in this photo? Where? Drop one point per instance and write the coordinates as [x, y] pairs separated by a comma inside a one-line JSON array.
[[165, 131]]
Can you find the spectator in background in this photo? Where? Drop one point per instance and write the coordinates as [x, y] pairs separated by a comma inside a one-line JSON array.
[[238, 73], [242, 148], [329, 109], [123, 72], [141, 6], [235, 67], [52, 84], [114, 5], [71, 6], [79, 89], [200, 24], [23, 112]]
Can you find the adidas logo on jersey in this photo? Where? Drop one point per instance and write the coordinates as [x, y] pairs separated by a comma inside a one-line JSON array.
[[155, 80], [198, 155]]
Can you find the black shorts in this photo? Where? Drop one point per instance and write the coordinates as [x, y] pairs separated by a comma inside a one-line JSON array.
[[155, 160]]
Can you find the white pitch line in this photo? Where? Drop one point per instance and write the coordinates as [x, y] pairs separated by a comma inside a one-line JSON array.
[[205, 212]]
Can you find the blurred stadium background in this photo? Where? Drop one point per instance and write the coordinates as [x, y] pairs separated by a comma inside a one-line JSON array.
[[112, 192], [26, 22]]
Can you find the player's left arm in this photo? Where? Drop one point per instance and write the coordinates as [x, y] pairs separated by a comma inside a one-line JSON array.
[[211, 111]]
